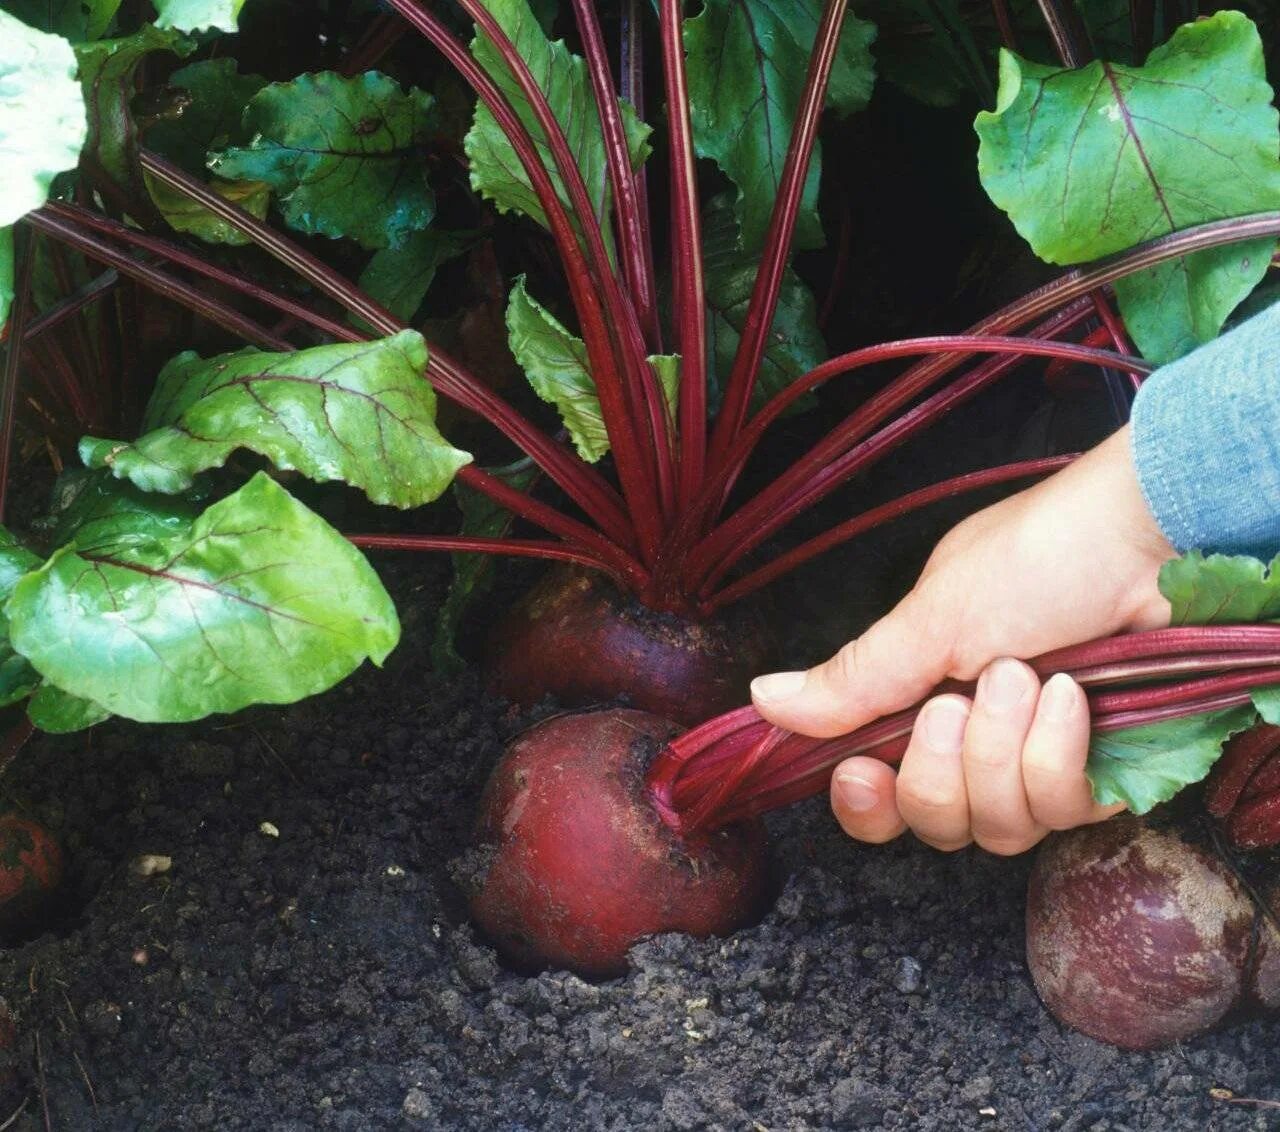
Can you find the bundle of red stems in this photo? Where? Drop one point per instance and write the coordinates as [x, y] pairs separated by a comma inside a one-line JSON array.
[[738, 765], [1244, 788]]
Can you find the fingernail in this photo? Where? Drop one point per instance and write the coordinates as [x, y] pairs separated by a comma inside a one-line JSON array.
[[1003, 685], [1059, 699], [856, 794], [944, 724], [777, 686]]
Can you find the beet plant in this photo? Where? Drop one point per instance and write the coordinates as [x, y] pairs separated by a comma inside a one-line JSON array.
[[652, 546], [177, 577]]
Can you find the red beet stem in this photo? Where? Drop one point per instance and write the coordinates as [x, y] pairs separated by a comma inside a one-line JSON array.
[[738, 764]]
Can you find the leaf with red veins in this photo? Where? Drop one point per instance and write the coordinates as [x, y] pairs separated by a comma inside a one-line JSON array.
[[1090, 161], [257, 600], [747, 66], [361, 412]]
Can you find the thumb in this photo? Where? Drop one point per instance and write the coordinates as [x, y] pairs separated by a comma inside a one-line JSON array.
[[896, 662]]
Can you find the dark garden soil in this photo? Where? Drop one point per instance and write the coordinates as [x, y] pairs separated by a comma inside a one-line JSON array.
[[306, 962]]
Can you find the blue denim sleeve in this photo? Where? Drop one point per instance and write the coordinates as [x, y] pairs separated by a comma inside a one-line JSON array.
[[1206, 442]]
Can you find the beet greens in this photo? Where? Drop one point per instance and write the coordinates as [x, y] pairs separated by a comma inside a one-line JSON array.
[[153, 592]]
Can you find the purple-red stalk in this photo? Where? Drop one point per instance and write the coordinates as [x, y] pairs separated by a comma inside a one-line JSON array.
[[690, 304], [777, 245], [582, 483], [623, 379], [738, 764]]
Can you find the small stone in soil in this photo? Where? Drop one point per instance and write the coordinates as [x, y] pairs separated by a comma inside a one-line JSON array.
[[907, 975]]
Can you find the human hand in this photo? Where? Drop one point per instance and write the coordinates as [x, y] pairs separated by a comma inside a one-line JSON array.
[[1074, 558]]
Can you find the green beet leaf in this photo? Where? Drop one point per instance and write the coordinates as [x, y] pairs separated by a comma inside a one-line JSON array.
[[1144, 766], [344, 154], [747, 63], [216, 97], [257, 600], [183, 214], [555, 362], [76, 20], [362, 413], [399, 278], [473, 573], [42, 116], [496, 171], [794, 345], [198, 15], [108, 70], [6, 273], [1091, 161], [1220, 588], [17, 678], [59, 712]]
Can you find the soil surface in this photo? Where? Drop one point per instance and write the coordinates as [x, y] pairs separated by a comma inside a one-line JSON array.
[[305, 962]]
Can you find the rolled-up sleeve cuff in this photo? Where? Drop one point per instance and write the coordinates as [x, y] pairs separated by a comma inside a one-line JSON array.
[[1206, 442]]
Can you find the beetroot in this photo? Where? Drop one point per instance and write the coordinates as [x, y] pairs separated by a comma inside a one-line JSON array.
[[1140, 938], [581, 864], [576, 637], [30, 871]]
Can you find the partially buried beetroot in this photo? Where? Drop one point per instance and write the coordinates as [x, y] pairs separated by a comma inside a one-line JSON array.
[[578, 638], [1140, 938], [30, 872], [579, 863]]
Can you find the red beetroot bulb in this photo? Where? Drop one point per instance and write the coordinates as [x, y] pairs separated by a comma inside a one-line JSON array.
[[30, 871], [576, 637], [581, 865], [1139, 938]]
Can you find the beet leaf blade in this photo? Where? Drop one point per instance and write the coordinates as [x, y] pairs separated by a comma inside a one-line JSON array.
[[345, 155], [256, 600], [496, 172], [746, 63], [1095, 160], [362, 413], [1143, 766]]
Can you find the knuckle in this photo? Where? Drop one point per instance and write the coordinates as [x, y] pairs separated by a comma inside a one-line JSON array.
[[1006, 844], [990, 758], [929, 797], [945, 844]]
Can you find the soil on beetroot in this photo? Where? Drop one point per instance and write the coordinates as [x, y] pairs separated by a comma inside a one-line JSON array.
[[306, 962]]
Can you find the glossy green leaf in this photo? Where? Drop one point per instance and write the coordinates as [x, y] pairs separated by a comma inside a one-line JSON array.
[[183, 214], [90, 506], [17, 678], [747, 61], [473, 573], [1091, 161], [76, 20], [216, 97], [1144, 766], [6, 272], [42, 116], [496, 171], [108, 70], [555, 362], [362, 413], [258, 600], [399, 278], [794, 345], [556, 365], [198, 15], [346, 156], [59, 712], [1220, 588]]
